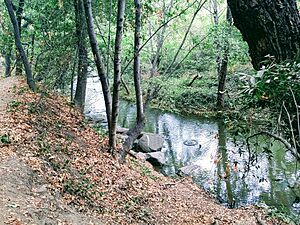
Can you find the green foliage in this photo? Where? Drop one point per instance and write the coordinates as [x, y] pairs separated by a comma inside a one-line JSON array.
[[5, 139], [100, 130], [283, 214], [145, 171], [274, 86], [13, 105], [276, 90]]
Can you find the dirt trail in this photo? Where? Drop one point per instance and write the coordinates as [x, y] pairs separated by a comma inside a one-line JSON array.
[[6, 94], [24, 197]]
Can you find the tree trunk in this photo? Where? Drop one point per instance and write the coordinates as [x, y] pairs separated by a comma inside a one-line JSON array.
[[30, 80], [137, 62], [222, 59], [135, 132], [82, 69], [117, 74], [19, 13], [160, 41], [32, 49], [98, 59], [8, 62], [270, 27], [109, 39], [222, 72]]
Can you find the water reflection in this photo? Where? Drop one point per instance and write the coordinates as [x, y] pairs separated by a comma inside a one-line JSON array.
[[225, 166]]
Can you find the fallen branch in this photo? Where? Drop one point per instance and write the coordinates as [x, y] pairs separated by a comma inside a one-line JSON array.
[[195, 78]]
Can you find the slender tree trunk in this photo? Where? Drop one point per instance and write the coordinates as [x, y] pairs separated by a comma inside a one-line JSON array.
[[98, 59], [171, 66], [160, 41], [32, 49], [72, 75], [153, 93], [135, 132], [156, 31], [222, 57], [82, 69], [108, 39], [19, 13], [222, 73], [137, 62], [8, 62], [30, 80], [269, 27], [117, 74]]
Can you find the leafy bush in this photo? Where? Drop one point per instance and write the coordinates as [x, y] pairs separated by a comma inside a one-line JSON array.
[[277, 89], [275, 85], [194, 98]]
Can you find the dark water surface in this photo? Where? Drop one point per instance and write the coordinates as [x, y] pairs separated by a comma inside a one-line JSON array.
[[225, 167]]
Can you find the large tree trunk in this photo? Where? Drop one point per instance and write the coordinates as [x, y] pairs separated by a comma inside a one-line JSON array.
[[30, 80], [98, 59], [82, 69], [19, 13], [117, 74], [270, 27]]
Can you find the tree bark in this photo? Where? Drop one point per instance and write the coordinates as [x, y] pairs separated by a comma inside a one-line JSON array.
[[222, 59], [30, 80], [108, 39], [32, 49], [160, 41], [137, 62], [98, 59], [8, 62], [222, 72], [135, 132], [117, 74], [82, 68], [19, 13], [270, 27]]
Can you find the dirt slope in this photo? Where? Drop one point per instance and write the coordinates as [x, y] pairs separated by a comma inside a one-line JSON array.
[[54, 170], [24, 197]]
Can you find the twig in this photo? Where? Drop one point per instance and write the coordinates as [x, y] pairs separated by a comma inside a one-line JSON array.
[[291, 126], [157, 30], [297, 112], [278, 138]]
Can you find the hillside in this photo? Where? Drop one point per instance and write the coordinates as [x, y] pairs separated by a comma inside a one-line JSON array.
[[55, 169]]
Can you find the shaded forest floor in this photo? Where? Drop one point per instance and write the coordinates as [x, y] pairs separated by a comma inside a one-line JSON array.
[[54, 169]]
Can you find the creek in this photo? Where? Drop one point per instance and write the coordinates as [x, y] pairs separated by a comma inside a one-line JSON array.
[[225, 167]]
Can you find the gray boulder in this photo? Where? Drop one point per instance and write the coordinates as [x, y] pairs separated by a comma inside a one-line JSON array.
[[96, 117], [190, 170], [122, 130], [156, 158], [150, 143]]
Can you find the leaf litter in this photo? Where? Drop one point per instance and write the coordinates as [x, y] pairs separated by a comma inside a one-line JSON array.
[[53, 139]]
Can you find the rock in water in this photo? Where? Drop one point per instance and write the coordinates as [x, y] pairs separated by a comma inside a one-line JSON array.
[[190, 170], [150, 143], [156, 158]]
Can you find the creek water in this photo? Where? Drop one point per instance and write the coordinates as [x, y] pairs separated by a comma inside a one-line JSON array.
[[225, 167]]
